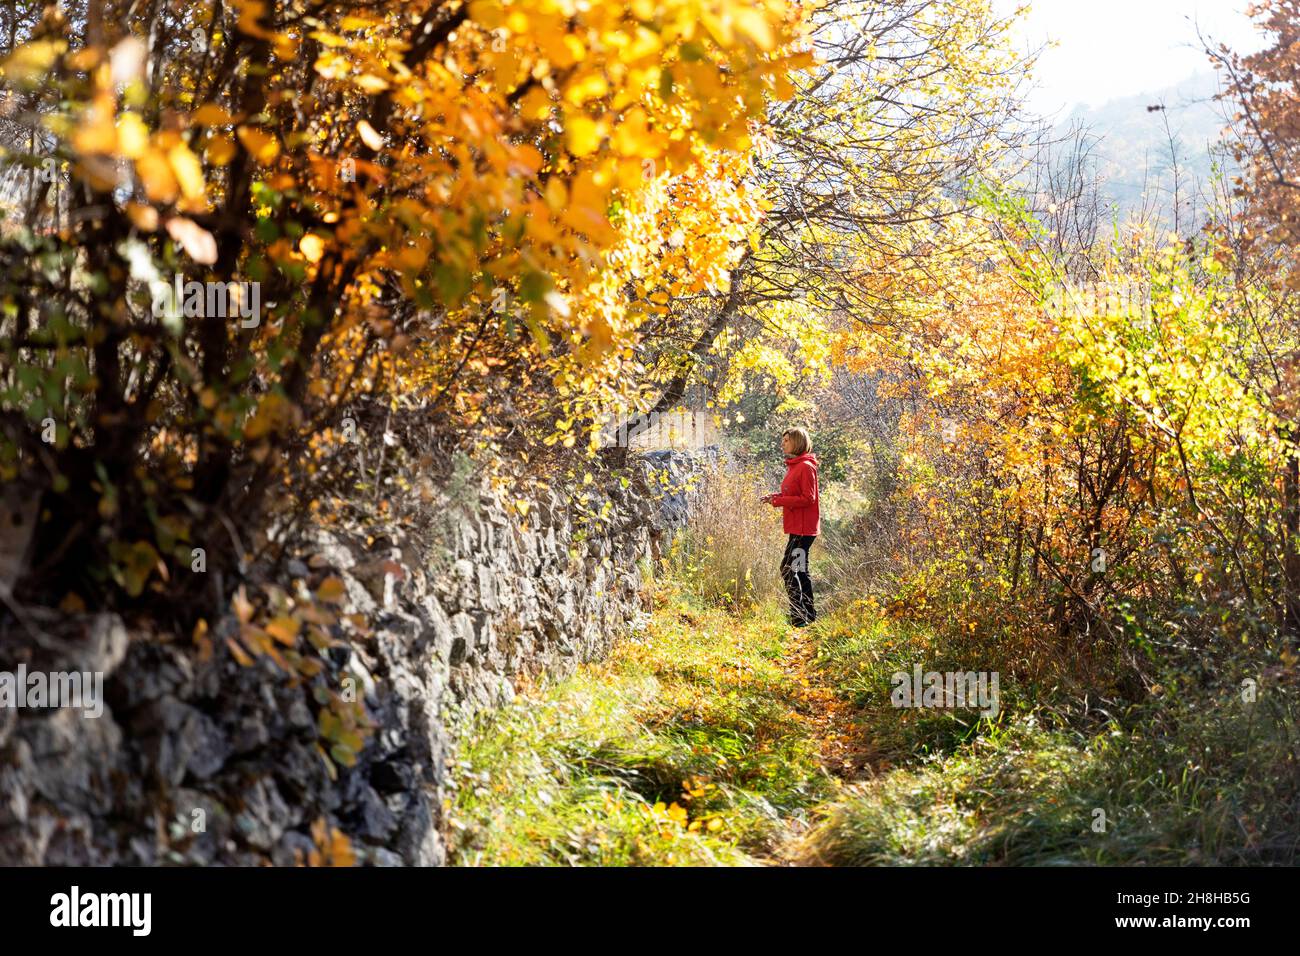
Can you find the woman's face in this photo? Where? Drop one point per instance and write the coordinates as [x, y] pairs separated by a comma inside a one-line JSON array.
[[787, 445]]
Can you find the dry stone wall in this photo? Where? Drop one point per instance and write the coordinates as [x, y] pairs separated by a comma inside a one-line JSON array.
[[203, 762]]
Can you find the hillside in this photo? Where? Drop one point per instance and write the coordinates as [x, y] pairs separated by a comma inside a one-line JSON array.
[[1136, 147]]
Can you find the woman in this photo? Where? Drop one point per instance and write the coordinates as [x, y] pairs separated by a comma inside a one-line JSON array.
[[798, 498]]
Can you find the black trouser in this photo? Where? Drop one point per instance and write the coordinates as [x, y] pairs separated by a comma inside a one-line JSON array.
[[798, 585]]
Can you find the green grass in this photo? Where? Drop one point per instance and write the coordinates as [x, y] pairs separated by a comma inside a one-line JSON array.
[[1196, 776], [699, 743], [859, 650], [686, 747], [974, 806]]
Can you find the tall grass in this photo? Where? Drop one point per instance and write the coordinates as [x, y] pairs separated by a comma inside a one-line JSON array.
[[1205, 780], [1197, 772], [705, 741], [731, 553]]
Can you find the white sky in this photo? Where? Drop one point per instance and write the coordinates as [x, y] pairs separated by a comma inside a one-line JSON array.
[[1113, 48]]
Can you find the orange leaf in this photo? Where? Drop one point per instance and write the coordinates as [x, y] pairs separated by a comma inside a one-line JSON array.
[[332, 590], [209, 114], [262, 145], [283, 628], [239, 653]]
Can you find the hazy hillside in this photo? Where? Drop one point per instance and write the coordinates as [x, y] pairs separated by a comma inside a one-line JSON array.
[[1133, 145]]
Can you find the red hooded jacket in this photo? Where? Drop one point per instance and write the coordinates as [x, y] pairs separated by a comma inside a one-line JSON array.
[[799, 496]]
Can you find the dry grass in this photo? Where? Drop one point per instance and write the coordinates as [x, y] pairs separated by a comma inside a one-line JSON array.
[[732, 553]]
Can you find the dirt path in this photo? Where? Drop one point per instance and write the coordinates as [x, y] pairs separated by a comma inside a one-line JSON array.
[[826, 718], [829, 718]]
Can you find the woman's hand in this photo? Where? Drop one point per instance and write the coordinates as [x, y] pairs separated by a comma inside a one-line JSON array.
[[767, 499]]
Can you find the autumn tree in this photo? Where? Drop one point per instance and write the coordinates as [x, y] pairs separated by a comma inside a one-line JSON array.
[[1265, 90], [274, 207], [869, 155]]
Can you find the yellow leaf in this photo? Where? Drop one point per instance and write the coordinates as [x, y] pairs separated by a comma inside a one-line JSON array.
[[144, 218], [220, 149], [557, 196], [586, 87], [754, 25], [33, 60], [633, 136], [262, 145], [720, 27], [189, 173], [249, 11], [97, 130], [487, 13], [201, 640], [283, 628], [85, 59], [536, 104], [156, 176], [585, 135], [132, 135], [371, 83], [312, 247], [239, 653], [209, 114], [269, 415]]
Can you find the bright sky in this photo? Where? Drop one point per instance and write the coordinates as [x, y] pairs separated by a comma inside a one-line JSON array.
[[1113, 48]]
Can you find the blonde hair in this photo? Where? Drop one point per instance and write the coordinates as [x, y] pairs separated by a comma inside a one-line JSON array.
[[802, 443]]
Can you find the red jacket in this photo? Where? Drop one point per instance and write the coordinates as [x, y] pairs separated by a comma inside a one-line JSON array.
[[799, 496]]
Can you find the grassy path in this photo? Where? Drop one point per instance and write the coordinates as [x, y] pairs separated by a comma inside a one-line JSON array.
[[705, 740], [711, 739]]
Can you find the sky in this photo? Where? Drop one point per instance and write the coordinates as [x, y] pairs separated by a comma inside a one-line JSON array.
[[1113, 48]]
